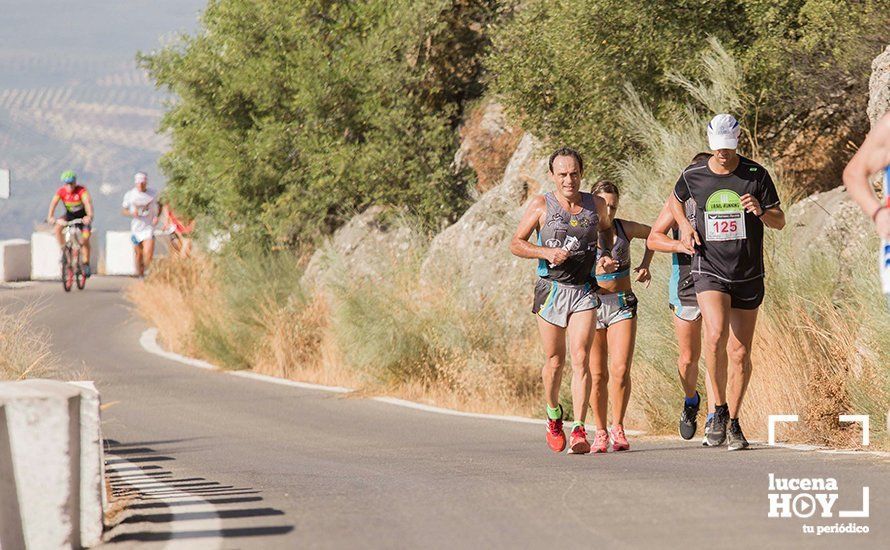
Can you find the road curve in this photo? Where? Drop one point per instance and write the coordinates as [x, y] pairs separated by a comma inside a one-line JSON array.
[[215, 461]]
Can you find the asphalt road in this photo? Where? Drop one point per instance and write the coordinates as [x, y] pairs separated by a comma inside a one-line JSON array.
[[213, 460]]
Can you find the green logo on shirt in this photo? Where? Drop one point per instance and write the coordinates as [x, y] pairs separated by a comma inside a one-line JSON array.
[[724, 200]]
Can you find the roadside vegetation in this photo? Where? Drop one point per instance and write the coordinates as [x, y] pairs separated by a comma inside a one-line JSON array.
[[279, 161], [24, 349]]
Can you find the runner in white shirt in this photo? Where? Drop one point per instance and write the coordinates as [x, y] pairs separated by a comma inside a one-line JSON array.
[[140, 203]]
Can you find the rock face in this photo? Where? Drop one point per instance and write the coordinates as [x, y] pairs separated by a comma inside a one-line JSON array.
[[487, 142], [370, 245], [473, 252], [829, 219], [879, 87]]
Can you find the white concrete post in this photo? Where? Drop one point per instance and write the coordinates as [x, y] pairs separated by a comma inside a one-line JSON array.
[[42, 424], [120, 259], [92, 466], [15, 260], [46, 257]]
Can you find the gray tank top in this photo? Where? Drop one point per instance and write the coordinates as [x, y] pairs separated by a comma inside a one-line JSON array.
[[620, 253], [576, 233]]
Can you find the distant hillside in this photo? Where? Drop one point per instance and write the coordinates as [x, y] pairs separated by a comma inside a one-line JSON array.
[[71, 96]]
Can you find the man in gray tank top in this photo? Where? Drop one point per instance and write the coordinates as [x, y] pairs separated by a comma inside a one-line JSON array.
[[569, 227]]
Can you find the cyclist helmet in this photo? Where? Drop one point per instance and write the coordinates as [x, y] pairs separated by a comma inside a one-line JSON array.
[[68, 176]]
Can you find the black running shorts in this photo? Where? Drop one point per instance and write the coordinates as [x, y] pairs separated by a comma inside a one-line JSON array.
[[744, 295]]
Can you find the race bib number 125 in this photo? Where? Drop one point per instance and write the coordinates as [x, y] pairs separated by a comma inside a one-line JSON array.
[[724, 217]]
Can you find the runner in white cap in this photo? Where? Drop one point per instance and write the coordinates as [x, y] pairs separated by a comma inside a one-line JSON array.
[[140, 203], [735, 198], [874, 156]]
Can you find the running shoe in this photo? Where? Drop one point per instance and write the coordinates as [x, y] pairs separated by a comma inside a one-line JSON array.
[[600, 441], [718, 427], [689, 420], [578, 442], [556, 438], [708, 424], [737, 440], [619, 440], [87, 272]]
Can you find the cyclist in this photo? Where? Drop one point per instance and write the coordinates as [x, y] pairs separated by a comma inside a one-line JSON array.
[[874, 156], [78, 206], [616, 325], [568, 223], [687, 315], [140, 203], [735, 198]]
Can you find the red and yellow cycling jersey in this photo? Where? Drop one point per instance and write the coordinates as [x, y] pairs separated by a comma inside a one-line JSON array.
[[73, 199]]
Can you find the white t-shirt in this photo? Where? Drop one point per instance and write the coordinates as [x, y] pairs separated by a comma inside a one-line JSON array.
[[145, 206]]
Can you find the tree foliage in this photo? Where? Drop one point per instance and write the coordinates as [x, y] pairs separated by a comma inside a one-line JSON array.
[[290, 116], [561, 65]]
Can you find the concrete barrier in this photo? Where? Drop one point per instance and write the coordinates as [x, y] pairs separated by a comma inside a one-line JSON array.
[[42, 428], [45, 257], [93, 500], [119, 256], [52, 490], [15, 260]]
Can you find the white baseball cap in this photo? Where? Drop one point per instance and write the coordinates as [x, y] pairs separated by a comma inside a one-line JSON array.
[[140, 177], [723, 132]]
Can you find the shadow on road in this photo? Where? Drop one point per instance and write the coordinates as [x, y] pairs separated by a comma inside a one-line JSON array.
[[160, 506]]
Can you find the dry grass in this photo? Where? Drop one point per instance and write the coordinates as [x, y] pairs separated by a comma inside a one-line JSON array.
[[24, 349]]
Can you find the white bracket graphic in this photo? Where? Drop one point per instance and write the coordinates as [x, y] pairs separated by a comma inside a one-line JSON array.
[[863, 418], [771, 427], [857, 513]]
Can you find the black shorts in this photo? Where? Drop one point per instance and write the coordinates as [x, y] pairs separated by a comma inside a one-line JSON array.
[[744, 295], [71, 216]]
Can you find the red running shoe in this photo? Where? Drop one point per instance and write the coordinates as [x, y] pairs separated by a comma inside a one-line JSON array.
[[556, 438], [579, 444], [600, 441], [619, 440]]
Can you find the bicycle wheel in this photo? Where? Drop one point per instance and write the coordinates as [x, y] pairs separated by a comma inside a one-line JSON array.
[[67, 271], [80, 277]]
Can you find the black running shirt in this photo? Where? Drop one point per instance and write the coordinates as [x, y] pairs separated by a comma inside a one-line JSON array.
[[732, 239]]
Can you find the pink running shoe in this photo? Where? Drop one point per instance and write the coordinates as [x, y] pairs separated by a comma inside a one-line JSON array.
[[578, 443], [600, 442], [619, 440], [556, 438]]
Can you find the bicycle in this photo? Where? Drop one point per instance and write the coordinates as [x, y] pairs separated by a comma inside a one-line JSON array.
[[72, 265]]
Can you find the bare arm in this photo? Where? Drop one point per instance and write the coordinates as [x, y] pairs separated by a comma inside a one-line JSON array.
[[636, 230], [531, 220], [52, 207], [773, 217], [872, 156], [605, 239], [88, 205], [688, 235], [658, 238]]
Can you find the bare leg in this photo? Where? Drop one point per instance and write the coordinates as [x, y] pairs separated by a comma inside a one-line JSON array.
[[689, 340], [599, 397], [580, 331], [622, 336], [715, 315], [57, 229], [148, 249], [85, 249], [139, 267], [553, 340], [741, 335]]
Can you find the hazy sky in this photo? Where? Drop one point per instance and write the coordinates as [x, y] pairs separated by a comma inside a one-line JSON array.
[[71, 97]]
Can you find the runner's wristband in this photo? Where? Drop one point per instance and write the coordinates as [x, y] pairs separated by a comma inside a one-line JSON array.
[[874, 217]]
